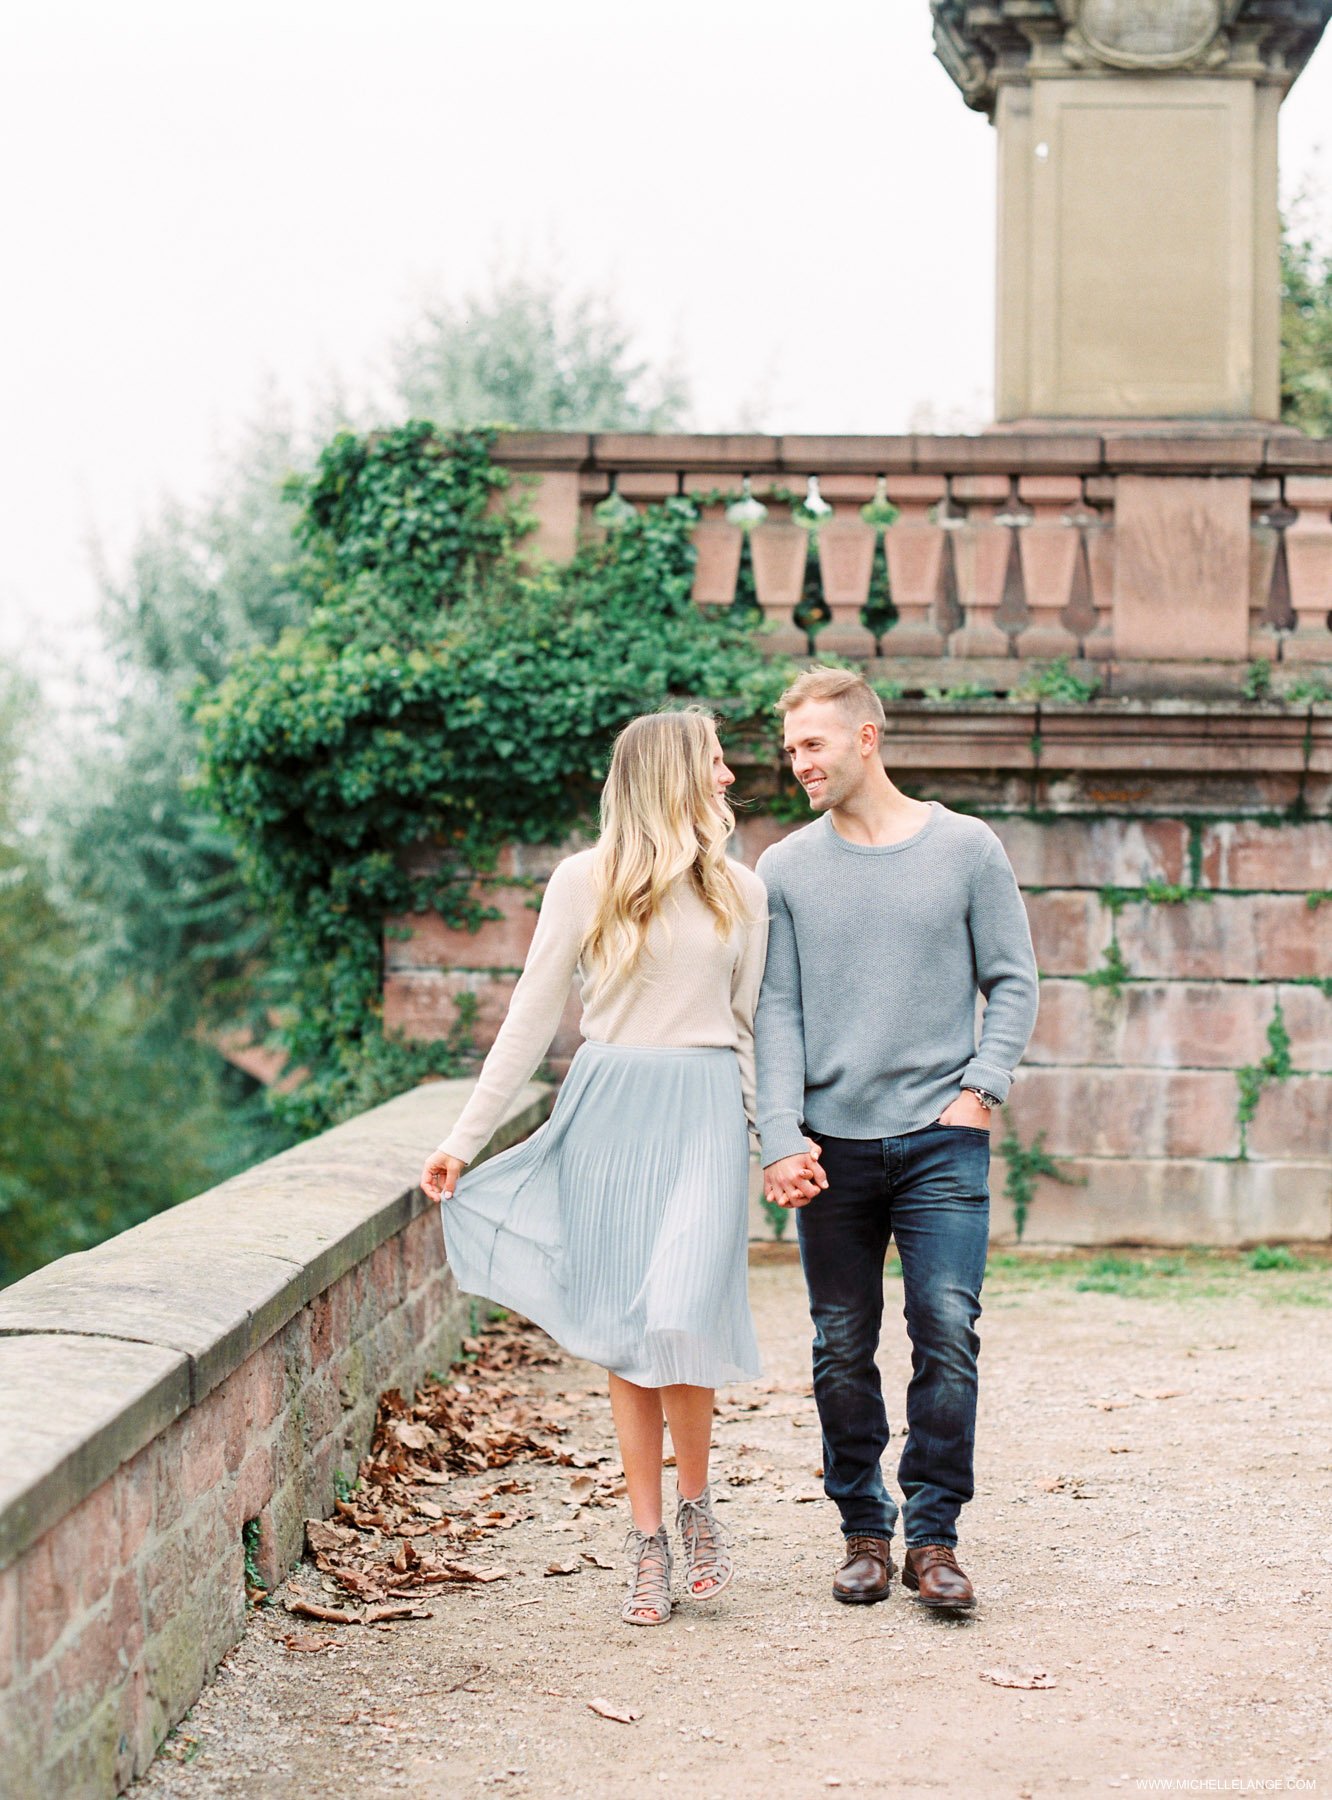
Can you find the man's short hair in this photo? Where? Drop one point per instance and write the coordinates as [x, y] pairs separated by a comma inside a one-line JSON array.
[[851, 693]]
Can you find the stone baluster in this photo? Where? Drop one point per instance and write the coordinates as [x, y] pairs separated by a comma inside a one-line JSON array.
[[719, 543], [1269, 576], [1053, 558], [1098, 537], [594, 487], [1013, 615], [915, 547], [981, 549], [779, 548], [1308, 545], [846, 563]]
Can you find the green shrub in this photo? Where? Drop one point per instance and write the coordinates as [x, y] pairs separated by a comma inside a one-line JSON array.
[[442, 698]]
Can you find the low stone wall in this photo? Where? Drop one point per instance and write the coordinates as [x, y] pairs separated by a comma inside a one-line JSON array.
[[217, 1365]]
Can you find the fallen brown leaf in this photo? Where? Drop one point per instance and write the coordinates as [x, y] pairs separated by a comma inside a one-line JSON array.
[[598, 1562], [331, 1615], [1019, 1678], [308, 1640], [571, 1567], [622, 1716]]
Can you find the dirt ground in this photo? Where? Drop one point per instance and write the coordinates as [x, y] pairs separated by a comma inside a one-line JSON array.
[[1150, 1537]]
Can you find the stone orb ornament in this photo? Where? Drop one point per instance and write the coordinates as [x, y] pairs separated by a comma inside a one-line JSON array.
[[1148, 34]]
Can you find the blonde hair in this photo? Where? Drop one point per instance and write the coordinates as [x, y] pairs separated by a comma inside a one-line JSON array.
[[661, 820], [852, 694]]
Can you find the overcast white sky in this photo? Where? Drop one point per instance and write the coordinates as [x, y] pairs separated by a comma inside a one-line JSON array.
[[202, 195]]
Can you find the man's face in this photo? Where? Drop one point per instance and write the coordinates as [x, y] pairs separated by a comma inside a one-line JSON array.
[[825, 752]]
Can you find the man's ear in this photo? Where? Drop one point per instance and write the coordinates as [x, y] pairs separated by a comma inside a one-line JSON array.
[[869, 738]]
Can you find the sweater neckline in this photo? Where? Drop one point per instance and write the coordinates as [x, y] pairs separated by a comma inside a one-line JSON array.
[[884, 849]]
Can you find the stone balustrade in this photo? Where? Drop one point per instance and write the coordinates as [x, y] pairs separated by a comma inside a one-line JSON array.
[[1203, 549], [186, 1392]]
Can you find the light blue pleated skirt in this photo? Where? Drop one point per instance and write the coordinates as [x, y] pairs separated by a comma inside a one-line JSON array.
[[621, 1226]]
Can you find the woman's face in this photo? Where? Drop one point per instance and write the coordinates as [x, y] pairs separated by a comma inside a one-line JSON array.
[[722, 778]]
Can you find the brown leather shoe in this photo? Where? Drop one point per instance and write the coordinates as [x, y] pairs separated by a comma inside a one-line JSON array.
[[931, 1573], [867, 1573]]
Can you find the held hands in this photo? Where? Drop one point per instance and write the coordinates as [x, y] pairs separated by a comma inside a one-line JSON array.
[[440, 1176], [795, 1180]]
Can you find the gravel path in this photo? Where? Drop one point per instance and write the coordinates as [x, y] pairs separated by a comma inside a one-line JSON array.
[[1149, 1536]]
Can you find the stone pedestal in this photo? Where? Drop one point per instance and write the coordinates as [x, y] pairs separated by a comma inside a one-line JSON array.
[[1138, 228]]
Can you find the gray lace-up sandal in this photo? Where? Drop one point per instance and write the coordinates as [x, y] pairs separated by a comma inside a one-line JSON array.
[[649, 1601], [705, 1547]]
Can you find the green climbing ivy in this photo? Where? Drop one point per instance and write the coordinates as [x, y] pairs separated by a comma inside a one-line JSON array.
[[443, 698], [1023, 1164], [1276, 1065], [1113, 972]]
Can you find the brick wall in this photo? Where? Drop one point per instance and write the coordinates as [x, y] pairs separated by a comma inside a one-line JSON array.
[[218, 1365], [1133, 1084]]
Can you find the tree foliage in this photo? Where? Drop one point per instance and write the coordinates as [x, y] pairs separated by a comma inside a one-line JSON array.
[[103, 1119], [1306, 333], [140, 861], [441, 695], [529, 357]]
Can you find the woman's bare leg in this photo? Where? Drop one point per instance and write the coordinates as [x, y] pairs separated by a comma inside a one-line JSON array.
[[637, 1412], [689, 1415]]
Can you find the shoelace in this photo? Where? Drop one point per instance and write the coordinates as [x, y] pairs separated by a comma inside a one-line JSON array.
[[650, 1548], [703, 1536]]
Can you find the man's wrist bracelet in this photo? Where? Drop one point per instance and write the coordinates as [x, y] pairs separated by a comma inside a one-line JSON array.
[[988, 1101]]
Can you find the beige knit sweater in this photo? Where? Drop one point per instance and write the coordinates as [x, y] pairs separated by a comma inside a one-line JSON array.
[[691, 987]]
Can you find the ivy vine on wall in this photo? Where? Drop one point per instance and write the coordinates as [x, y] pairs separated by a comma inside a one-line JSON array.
[[442, 695]]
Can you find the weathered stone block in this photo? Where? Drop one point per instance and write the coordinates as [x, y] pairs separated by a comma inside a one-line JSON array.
[[48, 1595], [1127, 1112], [1263, 937], [1166, 1025], [1308, 1015], [500, 943], [1293, 1117], [72, 1408], [1095, 853], [1182, 566], [89, 1539], [201, 1443], [1241, 853], [92, 1657], [254, 1483], [1069, 931], [159, 1298], [1135, 1200]]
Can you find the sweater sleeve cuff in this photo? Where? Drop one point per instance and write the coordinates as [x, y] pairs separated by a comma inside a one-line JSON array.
[[988, 1077], [782, 1136], [463, 1145]]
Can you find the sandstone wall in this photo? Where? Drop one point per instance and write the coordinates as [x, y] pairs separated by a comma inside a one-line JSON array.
[[216, 1366], [1177, 950]]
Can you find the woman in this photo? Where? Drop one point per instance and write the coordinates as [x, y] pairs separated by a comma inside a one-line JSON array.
[[621, 1225]]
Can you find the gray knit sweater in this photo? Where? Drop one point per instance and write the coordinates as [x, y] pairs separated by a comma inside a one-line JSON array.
[[866, 1023]]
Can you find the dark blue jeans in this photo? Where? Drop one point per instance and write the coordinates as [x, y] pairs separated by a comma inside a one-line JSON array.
[[929, 1192]]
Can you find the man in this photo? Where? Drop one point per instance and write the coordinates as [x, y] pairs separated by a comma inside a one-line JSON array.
[[888, 914]]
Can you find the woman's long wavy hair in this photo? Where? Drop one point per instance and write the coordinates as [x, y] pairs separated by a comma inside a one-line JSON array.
[[661, 820]]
